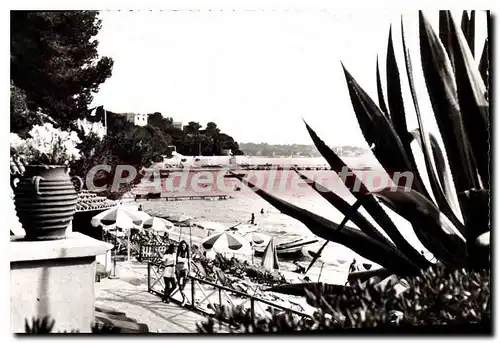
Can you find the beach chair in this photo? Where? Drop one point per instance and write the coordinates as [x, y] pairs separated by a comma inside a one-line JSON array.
[[197, 270], [232, 282]]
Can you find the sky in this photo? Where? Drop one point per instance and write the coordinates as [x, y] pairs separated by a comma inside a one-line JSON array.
[[257, 74]]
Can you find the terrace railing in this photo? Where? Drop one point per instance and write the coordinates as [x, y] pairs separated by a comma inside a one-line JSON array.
[[205, 296]]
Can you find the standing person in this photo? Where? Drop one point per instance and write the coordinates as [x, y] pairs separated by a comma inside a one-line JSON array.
[[252, 220], [169, 272], [352, 267], [182, 268]]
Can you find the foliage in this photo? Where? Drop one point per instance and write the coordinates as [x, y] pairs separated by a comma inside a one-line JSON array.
[[55, 69], [124, 144], [192, 140], [241, 269], [55, 62], [47, 145], [45, 325], [447, 227], [439, 296], [39, 326]]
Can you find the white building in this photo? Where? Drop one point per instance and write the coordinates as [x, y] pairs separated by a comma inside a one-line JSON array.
[[137, 119]]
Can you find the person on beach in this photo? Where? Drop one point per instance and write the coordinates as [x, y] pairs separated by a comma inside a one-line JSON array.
[[140, 208], [182, 268], [169, 272], [261, 211], [352, 267], [252, 220]]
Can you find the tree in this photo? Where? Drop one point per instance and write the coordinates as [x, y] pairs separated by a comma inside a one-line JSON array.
[[212, 129], [125, 144], [225, 141], [54, 61], [192, 127]]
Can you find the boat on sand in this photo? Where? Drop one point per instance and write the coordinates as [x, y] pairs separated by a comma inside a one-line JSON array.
[[288, 250]]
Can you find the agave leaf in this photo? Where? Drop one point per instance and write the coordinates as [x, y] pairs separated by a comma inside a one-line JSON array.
[[397, 111], [395, 98], [444, 35], [442, 186], [484, 64], [380, 93], [478, 222], [489, 27], [429, 146], [442, 90], [469, 28], [352, 238], [358, 189], [315, 257], [432, 227], [377, 129], [473, 105], [354, 184], [346, 209], [444, 176]]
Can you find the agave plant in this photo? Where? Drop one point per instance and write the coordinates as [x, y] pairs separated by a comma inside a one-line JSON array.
[[448, 217]]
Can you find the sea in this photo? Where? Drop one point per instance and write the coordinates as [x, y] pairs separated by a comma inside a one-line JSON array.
[[333, 265]]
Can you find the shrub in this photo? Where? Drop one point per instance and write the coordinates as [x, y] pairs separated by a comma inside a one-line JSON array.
[[45, 325], [438, 296]]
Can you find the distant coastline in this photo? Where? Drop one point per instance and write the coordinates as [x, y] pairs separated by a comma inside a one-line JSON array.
[[296, 150]]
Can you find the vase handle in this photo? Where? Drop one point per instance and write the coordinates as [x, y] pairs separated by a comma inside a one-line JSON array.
[[77, 182], [36, 181], [13, 182]]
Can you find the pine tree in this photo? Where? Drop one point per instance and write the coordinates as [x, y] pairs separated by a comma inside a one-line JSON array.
[[55, 63]]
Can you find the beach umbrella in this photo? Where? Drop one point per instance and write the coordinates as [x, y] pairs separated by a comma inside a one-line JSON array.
[[179, 218], [123, 217], [270, 258], [157, 224], [120, 216], [211, 226], [223, 242]]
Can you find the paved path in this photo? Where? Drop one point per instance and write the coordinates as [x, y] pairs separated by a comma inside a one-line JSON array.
[[145, 307]]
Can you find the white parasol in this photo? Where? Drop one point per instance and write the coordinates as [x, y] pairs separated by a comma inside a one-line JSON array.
[[121, 217]]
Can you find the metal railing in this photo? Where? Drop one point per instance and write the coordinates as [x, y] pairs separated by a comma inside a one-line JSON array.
[[214, 295]]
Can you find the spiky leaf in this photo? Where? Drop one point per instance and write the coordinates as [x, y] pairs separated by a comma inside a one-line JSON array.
[[433, 228], [380, 93], [484, 64], [395, 97], [473, 105], [442, 90], [377, 129], [352, 238], [445, 34], [345, 208], [359, 190], [441, 184], [437, 172], [468, 26]]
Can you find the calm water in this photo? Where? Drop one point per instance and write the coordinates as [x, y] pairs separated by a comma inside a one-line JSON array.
[[243, 203]]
